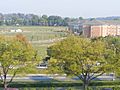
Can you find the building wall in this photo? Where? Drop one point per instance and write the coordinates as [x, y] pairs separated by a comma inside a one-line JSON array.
[[75, 28], [103, 30], [118, 30], [96, 31], [87, 30], [111, 30]]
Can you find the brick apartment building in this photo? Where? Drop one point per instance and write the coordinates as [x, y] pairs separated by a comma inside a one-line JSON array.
[[96, 28]]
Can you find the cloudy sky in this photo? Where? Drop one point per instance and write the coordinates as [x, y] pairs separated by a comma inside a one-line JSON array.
[[71, 8]]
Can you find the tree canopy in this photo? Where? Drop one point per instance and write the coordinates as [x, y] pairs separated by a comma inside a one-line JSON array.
[[34, 20], [15, 54], [80, 57], [113, 44]]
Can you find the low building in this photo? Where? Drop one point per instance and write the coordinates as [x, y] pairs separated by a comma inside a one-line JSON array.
[[19, 30], [15, 30], [96, 28], [12, 30]]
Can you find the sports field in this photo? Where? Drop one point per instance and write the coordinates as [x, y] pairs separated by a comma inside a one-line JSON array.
[[40, 37]]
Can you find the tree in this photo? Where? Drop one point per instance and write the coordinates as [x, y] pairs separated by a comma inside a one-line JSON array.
[[35, 20], [80, 57], [32, 19], [66, 21], [81, 18], [15, 54], [55, 21], [51, 20], [91, 19], [113, 43], [44, 20], [1, 22]]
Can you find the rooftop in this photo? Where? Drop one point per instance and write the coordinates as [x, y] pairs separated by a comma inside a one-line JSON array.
[[96, 22]]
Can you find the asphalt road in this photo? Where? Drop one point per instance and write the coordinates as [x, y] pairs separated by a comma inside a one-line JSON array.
[[38, 77], [46, 77]]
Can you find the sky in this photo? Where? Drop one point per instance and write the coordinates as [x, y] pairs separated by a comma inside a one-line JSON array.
[[64, 8]]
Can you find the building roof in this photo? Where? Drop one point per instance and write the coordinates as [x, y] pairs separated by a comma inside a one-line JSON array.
[[112, 22], [95, 22]]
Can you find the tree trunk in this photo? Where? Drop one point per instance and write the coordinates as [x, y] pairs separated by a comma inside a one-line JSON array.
[[85, 84], [5, 86], [5, 83]]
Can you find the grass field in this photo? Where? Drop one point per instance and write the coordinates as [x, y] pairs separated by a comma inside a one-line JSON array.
[[97, 85], [40, 37]]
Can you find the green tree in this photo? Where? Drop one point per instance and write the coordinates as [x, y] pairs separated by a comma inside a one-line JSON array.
[[35, 20], [113, 44], [66, 21], [80, 57], [55, 21], [81, 18], [1, 22], [15, 54], [45, 20]]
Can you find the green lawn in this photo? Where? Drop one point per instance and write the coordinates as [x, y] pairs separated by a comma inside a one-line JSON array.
[[41, 37], [55, 83], [35, 33]]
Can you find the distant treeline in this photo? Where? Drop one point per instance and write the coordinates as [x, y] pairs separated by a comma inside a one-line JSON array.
[[34, 20]]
